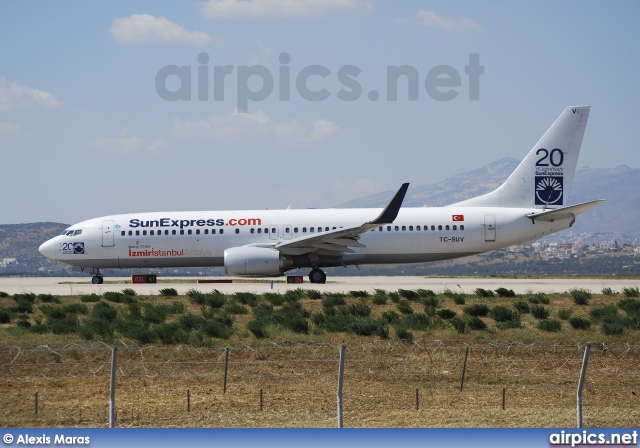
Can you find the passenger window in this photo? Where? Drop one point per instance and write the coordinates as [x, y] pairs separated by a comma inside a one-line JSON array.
[[173, 232], [166, 232], [130, 232], [446, 227], [439, 227], [221, 231], [137, 232], [326, 229], [286, 230], [237, 231], [311, 229], [213, 231], [189, 231], [273, 230], [433, 227], [455, 227], [461, 226], [295, 230], [397, 228], [122, 233], [151, 232], [404, 228], [259, 230], [304, 230], [197, 231], [253, 230], [410, 228], [418, 228], [388, 228], [206, 231], [380, 229]]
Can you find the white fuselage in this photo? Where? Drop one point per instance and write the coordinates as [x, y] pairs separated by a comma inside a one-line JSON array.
[[194, 239]]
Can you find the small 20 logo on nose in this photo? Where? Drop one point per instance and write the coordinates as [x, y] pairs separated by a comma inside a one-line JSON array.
[[78, 248]]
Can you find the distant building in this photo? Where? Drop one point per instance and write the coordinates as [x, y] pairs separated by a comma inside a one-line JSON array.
[[6, 262]]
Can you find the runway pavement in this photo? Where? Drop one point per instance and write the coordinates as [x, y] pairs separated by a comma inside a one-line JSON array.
[[82, 285]]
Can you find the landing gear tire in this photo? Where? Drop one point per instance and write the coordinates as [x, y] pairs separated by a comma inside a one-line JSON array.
[[97, 280], [317, 276]]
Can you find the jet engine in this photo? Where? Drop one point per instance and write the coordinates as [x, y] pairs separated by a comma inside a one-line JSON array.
[[254, 261]]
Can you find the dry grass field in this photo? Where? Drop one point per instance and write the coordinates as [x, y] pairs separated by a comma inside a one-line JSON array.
[[292, 382]]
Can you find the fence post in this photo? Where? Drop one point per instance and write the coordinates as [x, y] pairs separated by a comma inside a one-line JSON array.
[[36, 403], [504, 397], [261, 399], [188, 400], [112, 393], [340, 383], [417, 400], [583, 372], [464, 368], [226, 366]]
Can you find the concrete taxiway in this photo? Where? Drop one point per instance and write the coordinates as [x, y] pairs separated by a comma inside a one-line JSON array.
[[78, 286]]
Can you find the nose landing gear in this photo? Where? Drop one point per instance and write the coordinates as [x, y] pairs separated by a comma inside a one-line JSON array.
[[97, 279]]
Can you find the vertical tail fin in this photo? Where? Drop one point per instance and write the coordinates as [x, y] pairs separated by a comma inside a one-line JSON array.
[[543, 179]]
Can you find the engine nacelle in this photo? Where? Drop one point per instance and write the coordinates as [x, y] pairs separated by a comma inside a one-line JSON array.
[[253, 261]]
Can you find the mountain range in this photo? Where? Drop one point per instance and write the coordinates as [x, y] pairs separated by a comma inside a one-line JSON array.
[[617, 218]]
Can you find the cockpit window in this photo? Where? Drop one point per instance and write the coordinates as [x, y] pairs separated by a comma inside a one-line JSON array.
[[77, 232], [71, 232]]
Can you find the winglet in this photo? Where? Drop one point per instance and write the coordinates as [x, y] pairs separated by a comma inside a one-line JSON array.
[[390, 212]]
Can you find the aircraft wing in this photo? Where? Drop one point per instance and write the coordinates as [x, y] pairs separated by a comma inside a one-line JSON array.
[[338, 241], [564, 213]]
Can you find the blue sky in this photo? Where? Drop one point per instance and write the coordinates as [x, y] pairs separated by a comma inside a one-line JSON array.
[[84, 132]]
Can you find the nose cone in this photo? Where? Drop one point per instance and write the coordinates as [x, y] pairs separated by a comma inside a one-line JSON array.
[[48, 249]]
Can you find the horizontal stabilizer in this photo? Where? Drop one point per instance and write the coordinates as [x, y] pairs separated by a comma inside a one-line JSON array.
[[564, 213]]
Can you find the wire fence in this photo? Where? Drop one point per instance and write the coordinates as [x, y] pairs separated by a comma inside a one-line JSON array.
[[386, 383]]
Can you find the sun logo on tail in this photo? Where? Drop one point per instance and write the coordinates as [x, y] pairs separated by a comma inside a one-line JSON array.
[[549, 190]]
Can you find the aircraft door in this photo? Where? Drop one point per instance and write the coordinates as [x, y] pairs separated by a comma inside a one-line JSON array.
[[273, 232], [287, 232], [107, 234], [489, 228]]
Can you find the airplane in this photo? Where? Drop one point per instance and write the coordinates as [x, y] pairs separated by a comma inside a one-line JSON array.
[[530, 204]]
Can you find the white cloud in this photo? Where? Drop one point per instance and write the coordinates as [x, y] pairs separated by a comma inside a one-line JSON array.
[[433, 20], [8, 128], [15, 96], [253, 127], [282, 9], [127, 143], [139, 29]]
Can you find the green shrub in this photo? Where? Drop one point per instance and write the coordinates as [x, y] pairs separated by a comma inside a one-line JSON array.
[[564, 313], [294, 295], [417, 321], [359, 294], [113, 296], [236, 308], [155, 314], [365, 326], [580, 323], [28, 296], [607, 291], [504, 292], [446, 313], [475, 323], [359, 309], [333, 300], [539, 312], [274, 298], [484, 293], [405, 307], [630, 306], [580, 296], [390, 317], [632, 291], [422, 293], [3, 295], [522, 306], [403, 333], [313, 294], [379, 297], [431, 301], [612, 327], [458, 324], [22, 306], [168, 292], [604, 312], [76, 308], [477, 309], [539, 298], [459, 299], [90, 298], [129, 292], [503, 314], [246, 298], [395, 297], [551, 325], [47, 298], [258, 328], [5, 317], [412, 296], [215, 299]]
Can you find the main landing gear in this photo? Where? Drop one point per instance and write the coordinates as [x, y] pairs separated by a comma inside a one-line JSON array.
[[317, 276]]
